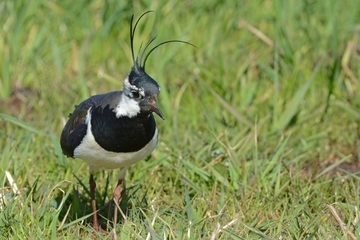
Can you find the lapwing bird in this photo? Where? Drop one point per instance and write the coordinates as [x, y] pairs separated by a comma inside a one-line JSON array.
[[116, 129]]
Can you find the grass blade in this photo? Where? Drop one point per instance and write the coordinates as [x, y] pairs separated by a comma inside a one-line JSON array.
[[293, 106], [19, 123]]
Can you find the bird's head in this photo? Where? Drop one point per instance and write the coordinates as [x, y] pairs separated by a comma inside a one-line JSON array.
[[138, 85], [143, 89]]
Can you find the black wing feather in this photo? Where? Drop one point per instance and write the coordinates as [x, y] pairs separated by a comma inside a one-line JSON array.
[[76, 127]]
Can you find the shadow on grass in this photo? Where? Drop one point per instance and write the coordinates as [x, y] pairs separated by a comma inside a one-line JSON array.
[[78, 205]]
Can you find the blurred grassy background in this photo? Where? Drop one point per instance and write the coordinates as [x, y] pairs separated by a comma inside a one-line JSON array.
[[261, 137]]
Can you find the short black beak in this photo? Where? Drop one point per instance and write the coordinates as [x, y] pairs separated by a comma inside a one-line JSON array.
[[155, 107], [157, 110]]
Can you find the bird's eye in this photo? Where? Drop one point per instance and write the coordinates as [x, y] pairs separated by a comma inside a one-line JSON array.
[[135, 94]]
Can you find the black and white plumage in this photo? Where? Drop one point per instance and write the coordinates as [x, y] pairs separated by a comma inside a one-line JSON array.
[[116, 129]]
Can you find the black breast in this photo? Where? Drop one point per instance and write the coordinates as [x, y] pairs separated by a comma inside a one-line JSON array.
[[121, 134]]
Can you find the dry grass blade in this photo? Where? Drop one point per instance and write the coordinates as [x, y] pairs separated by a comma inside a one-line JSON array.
[[346, 59], [13, 187], [342, 225], [12, 183], [241, 118], [256, 32]]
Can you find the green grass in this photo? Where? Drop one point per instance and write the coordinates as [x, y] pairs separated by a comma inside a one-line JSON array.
[[261, 138]]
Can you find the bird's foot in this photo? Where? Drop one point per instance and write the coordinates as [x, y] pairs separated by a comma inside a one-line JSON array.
[[98, 228]]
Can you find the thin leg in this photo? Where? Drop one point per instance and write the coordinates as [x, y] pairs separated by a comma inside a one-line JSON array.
[[120, 187], [117, 196], [92, 184]]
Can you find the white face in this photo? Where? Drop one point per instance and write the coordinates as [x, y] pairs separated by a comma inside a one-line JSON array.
[[127, 107], [131, 88]]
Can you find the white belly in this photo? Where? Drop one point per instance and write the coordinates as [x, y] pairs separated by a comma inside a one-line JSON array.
[[97, 158]]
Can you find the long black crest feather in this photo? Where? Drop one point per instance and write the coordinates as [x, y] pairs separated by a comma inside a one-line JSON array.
[[132, 33], [169, 41], [141, 54]]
